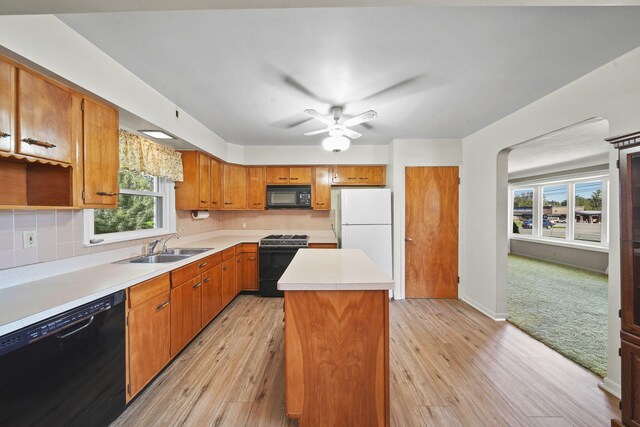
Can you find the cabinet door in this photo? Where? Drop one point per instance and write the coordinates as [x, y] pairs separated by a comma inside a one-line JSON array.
[[630, 381], [216, 185], [345, 175], [204, 181], [300, 175], [371, 175], [100, 154], [257, 189], [149, 341], [211, 293], [630, 239], [239, 273], [45, 117], [277, 175], [185, 313], [250, 271], [322, 189], [228, 281], [7, 91], [187, 197], [235, 187]]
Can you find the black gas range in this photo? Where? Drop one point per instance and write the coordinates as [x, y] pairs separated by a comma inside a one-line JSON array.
[[276, 253]]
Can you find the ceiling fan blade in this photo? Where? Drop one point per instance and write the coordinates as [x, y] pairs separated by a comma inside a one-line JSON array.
[[316, 132], [364, 117], [351, 134], [319, 117]]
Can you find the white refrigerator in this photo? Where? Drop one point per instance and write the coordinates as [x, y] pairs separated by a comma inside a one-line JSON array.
[[363, 221]]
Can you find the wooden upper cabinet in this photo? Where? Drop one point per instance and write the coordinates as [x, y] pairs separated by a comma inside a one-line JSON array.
[[234, 187], [288, 175], [359, 175], [100, 154], [7, 92], [204, 181], [300, 175], [322, 188], [256, 193], [277, 175], [45, 118], [216, 184]]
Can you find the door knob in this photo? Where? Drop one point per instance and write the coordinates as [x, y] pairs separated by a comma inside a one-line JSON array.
[[408, 239]]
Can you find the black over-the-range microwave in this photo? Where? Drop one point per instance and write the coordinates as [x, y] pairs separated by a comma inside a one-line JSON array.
[[288, 197]]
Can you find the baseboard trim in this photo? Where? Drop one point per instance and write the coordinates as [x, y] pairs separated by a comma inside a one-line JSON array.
[[611, 387], [500, 317]]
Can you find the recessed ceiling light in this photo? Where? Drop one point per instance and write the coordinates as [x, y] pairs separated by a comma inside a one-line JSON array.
[[157, 134]]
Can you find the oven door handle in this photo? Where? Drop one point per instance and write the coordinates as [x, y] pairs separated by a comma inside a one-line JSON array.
[[75, 331]]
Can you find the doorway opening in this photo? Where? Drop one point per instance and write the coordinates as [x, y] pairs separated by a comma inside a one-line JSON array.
[[557, 286]]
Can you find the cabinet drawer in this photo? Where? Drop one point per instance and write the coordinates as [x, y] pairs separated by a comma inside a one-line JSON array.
[[249, 247], [212, 260], [147, 290], [228, 253]]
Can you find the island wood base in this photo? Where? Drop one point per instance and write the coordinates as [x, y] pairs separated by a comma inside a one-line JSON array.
[[337, 357]]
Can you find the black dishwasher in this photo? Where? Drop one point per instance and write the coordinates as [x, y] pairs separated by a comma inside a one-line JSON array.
[[67, 370]]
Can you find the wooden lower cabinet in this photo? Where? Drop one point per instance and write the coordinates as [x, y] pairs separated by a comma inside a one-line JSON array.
[[186, 320], [148, 332], [228, 279], [630, 378], [211, 293], [250, 271]]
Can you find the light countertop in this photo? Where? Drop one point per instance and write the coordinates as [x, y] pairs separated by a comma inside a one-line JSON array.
[[33, 301], [333, 269]]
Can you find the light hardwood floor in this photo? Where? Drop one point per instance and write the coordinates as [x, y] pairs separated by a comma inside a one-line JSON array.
[[450, 366]]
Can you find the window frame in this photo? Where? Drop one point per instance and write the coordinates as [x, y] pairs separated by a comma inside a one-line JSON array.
[[166, 193], [537, 214]]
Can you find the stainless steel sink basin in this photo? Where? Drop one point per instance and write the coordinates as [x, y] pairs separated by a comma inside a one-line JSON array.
[[186, 251], [159, 258]]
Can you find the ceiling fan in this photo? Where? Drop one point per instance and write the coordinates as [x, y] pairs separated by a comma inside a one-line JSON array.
[[339, 133]]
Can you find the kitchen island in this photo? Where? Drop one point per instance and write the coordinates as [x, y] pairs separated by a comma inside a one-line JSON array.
[[336, 307]]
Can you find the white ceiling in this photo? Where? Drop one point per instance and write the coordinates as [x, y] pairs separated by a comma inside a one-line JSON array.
[[578, 146], [428, 72]]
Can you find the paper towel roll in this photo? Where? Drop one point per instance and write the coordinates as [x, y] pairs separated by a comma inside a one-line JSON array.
[[199, 214]]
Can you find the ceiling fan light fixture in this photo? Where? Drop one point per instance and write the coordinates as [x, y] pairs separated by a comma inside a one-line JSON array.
[[336, 143], [336, 132]]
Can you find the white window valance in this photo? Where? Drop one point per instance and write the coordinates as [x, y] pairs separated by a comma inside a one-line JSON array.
[[143, 155]]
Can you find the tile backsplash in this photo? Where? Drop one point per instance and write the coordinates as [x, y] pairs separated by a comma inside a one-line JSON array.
[[59, 232]]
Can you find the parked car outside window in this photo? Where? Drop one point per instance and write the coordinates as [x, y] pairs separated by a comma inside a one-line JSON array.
[[527, 224]]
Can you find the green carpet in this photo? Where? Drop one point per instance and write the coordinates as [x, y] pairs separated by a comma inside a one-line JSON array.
[[563, 307]]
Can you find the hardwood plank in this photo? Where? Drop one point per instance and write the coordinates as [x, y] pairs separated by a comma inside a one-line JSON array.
[[449, 365]]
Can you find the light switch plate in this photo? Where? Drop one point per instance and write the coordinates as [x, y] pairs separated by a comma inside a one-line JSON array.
[[29, 239]]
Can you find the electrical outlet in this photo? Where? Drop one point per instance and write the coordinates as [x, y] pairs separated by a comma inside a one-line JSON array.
[[29, 239], [244, 225]]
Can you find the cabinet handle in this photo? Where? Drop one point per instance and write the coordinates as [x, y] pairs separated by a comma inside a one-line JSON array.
[[364, 177], [197, 285], [204, 201], [43, 144], [228, 203], [252, 258], [214, 203], [257, 204], [207, 280], [203, 264], [163, 305], [225, 268], [352, 177], [320, 204], [4, 135], [293, 179], [106, 193], [281, 178]]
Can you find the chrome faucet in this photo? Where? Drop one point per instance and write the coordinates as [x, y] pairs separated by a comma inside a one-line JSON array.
[[164, 245], [152, 246]]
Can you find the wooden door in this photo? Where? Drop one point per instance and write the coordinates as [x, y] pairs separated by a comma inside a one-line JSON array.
[[149, 340], [216, 185], [277, 175], [322, 189], [431, 232], [235, 187], [228, 281], [211, 293], [256, 191], [204, 181], [100, 154], [45, 118], [185, 313], [250, 271], [7, 92], [300, 175]]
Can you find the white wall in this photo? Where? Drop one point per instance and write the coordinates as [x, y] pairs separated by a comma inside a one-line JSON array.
[[612, 92], [413, 152]]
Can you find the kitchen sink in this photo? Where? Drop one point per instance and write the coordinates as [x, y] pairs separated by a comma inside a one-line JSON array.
[[172, 255]]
